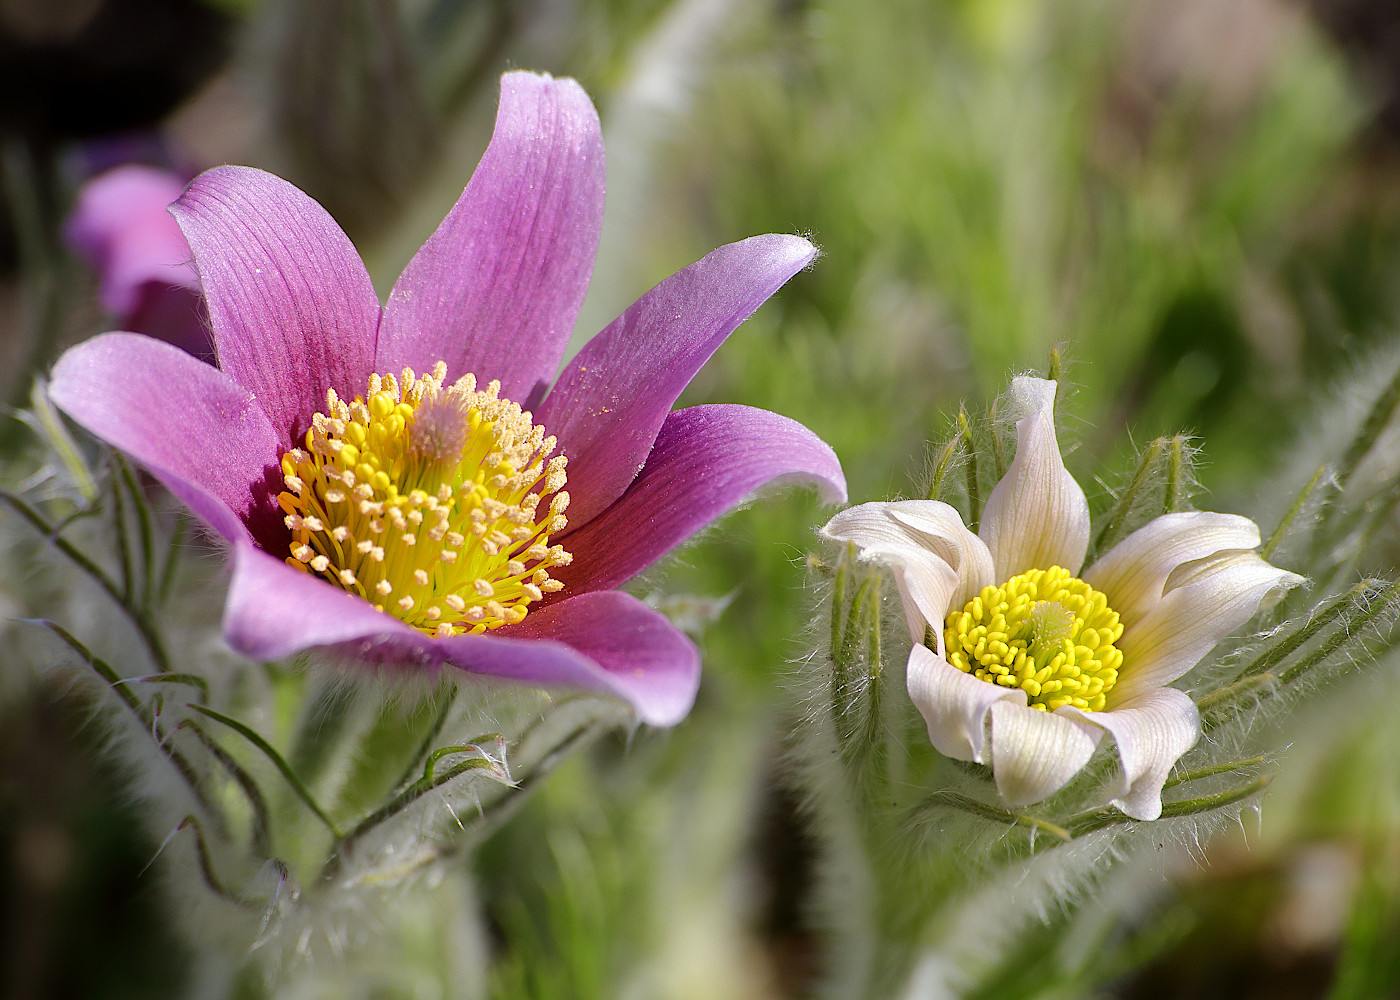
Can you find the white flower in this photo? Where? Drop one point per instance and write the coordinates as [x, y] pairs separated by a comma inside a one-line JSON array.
[[1045, 659]]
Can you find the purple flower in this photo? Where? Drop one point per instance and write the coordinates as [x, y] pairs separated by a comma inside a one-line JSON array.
[[423, 518], [122, 226]]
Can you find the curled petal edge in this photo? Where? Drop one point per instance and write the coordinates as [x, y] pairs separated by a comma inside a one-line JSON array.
[[1150, 733], [1037, 516]]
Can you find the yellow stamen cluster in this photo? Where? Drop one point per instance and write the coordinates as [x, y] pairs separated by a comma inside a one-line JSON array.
[[428, 502], [1044, 631]]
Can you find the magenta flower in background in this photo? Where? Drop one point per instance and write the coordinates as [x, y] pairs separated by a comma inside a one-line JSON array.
[[122, 226], [428, 519]]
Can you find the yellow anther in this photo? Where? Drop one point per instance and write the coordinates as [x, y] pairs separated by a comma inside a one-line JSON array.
[[1044, 631], [443, 489]]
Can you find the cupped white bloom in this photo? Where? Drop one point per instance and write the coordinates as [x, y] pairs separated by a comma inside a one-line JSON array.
[[1034, 662]]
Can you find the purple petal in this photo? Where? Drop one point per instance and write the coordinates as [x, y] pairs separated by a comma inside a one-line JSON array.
[[497, 287], [612, 398], [199, 432], [274, 610], [623, 648], [606, 642], [121, 225], [706, 460], [293, 309]]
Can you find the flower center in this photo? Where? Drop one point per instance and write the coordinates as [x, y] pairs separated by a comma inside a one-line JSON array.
[[1044, 631], [428, 501]]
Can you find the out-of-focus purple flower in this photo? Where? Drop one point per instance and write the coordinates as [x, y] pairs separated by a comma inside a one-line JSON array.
[[121, 224], [405, 518]]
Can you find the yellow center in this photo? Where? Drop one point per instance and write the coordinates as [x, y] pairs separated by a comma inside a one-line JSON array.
[[428, 501], [1044, 631]]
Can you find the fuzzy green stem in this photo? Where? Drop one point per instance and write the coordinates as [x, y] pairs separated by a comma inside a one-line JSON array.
[[940, 468], [143, 527], [1098, 819], [1285, 523], [1339, 608], [449, 697], [967, 804], [119, 527], [206, 863], [974, 490], [149, 722], [293, 780], [149, 635], [1210, 771], [172, 556], [998, 452], [262, 820], [190, 680], [1348, 632], [1174, 496], [1228, 695], [1129, 496]]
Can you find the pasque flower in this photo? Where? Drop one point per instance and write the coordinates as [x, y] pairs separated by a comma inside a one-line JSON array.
[[121, 225], [1034, 660], [402, 482]]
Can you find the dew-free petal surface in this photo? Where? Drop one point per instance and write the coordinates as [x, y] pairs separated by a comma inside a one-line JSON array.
[[1037, 516], [1224, 591], [292, 307], [1034, 753], [496, 289], [1150, 732], [706, 460], [612, 398], [194, 428], [954, 704], [1134, 572]]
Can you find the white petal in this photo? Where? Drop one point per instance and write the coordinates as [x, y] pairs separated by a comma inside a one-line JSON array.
[[926, 581], [954, 704], [1037, 516], [1206, 601], [926, 584], [940, 528], [869, 524], [1035, 753], [1151, 733], [1133, 574]]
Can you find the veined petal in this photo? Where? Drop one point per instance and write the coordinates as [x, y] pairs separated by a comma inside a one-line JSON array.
[[273, 611], [706, 460], [293, 309], [1134, 572], [623, 647], [955, 704], [197, 430], [1151, 732], [612, 398], [1034, 753], [1037, 516], [926, 571], [941, 529], [925, 583], [1206, 601], [497, 288], [609, 642]]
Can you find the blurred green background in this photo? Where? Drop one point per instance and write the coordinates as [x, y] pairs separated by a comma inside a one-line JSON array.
[[1198, 201]]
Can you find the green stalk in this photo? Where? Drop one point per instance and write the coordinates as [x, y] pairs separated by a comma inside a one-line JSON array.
[[295, 782], [148, 721], [974, 494], [143, 526], [138, 616], [1285, 523], [1129, 496]]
